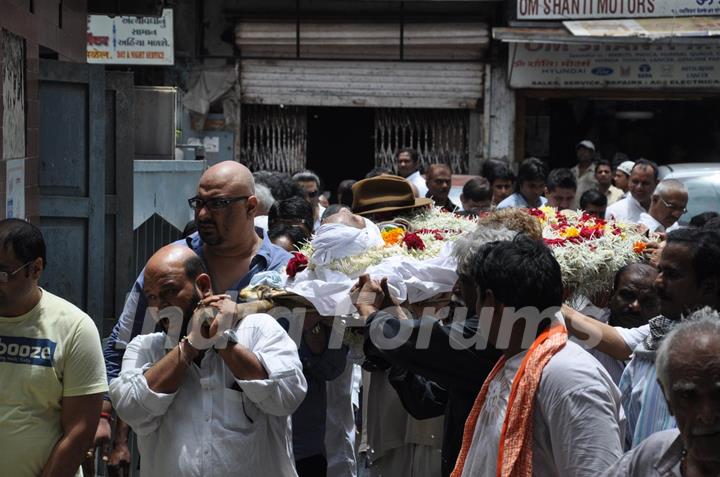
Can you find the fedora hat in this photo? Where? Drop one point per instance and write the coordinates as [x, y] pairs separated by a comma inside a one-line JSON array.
[[385, 194]]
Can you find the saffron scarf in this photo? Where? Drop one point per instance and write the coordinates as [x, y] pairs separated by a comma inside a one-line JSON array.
[[516, 440]]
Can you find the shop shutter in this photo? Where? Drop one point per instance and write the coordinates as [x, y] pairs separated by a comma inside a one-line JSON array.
[[382, 84]]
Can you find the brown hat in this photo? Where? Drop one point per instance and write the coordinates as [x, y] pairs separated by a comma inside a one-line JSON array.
[[385, 194]]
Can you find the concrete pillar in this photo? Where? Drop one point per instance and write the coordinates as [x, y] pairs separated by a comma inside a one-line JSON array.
[[499, 115]]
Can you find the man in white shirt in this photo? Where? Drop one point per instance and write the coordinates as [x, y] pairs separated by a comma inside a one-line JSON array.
[[408, 167], [563, 418], [529, 187], [200, 410], [666, 206], [643, 180], [584, 171], [621, 176]]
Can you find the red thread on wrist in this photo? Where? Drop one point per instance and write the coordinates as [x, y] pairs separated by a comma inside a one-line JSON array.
[[106, 415]]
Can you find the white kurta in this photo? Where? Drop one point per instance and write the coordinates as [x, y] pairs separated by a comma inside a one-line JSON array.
[[419, 182], [340, 424], [214, 424], [578, 419], [625, 210], [649, 221]]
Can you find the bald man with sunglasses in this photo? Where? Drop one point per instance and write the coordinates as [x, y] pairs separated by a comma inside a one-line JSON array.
[[231, 248]]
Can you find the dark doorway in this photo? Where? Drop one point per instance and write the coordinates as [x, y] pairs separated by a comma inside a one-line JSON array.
[[340, 144], [666, 131]]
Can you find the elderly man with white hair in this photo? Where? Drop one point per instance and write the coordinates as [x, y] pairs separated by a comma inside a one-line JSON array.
[[667, 205], [688, 370]]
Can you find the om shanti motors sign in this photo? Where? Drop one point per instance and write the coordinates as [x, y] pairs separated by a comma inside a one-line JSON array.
[[573, 9], [131, 40]]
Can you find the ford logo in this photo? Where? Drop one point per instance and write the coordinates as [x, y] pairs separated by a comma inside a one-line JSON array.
[[602, 71]]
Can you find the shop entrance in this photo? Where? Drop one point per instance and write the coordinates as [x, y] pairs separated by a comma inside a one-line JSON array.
[[340, 144], [663, 130]]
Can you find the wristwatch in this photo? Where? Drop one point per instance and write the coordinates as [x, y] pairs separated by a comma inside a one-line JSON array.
[[231, 337]]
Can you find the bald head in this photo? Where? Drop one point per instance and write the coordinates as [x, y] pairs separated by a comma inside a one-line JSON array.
[[175, 257], [225, 208], [175, 276], [230, 176]]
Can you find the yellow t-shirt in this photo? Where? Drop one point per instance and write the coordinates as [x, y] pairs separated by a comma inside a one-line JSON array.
[[49, 353]]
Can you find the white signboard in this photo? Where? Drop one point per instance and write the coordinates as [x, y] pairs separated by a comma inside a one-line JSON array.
[[15, 189], [568, 9], [572, 66], [131, 40]]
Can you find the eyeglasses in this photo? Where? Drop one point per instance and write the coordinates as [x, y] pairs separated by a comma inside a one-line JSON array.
[[218, 203], [673, 206], [313, 194], [5, 276]]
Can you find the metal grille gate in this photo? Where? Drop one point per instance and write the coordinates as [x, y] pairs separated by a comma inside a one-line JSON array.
[[274, 138], [439, 136]]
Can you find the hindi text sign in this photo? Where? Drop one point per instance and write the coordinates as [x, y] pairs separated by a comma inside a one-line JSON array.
[[131, 40]]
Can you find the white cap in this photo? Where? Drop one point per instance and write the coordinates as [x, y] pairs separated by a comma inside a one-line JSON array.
[[587, 144], [626, 167]]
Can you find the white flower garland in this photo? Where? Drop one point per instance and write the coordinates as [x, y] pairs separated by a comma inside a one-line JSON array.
[[448, 225]]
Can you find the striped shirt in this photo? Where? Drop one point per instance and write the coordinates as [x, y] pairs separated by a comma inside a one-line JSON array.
[[642, 398]]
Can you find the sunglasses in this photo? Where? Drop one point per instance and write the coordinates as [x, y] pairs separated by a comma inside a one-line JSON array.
[[6, 276], [218, 203], [313, 194]]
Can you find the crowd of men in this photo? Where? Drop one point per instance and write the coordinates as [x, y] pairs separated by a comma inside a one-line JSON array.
[[626, 384]]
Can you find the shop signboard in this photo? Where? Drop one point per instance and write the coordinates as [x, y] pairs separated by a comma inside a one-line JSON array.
[[588, 9], [613, 66], [131, 40]]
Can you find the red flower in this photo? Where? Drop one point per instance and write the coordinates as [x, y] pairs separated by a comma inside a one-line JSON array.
[[588, 232], [297, 264], [537, 213], [413, 241], [555, 242]]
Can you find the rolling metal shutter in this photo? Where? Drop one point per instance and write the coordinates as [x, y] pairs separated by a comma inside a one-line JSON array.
[[382, 84]]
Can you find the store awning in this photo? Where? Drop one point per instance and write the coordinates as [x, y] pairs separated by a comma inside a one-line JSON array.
[[647, 30]]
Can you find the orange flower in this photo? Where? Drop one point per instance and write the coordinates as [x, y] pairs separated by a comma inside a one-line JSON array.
[[639, 247], [392, 236]]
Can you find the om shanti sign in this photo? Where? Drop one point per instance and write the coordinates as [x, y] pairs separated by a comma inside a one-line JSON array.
[[573, 9]]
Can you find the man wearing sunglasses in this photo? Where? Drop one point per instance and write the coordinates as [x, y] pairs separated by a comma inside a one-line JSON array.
[[667, 205], [309, 181], [51, 365], [226, 241]]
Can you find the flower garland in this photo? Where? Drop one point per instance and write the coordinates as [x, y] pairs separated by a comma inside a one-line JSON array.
[[432, 230], [589, 250]]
